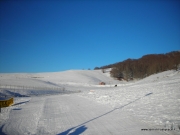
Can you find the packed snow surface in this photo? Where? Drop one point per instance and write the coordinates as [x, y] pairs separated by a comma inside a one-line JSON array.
[[72, 102]]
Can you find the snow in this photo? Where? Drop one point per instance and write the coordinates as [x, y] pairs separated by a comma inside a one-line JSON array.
[[73, 102]]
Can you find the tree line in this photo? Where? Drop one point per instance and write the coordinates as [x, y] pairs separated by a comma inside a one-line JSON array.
[[144, 66]]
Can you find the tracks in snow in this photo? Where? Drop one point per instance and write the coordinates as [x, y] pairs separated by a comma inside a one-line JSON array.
[[71, 115]]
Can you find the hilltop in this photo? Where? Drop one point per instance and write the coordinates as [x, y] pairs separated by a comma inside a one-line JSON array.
[[145, 66]]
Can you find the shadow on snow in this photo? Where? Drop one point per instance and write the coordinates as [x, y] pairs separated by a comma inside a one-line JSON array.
[[15, 94], [78, 131], [1, 132], [81, 128], [20, 103]]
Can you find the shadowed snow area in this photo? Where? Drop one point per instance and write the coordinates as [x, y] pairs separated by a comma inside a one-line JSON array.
[[72, 102]]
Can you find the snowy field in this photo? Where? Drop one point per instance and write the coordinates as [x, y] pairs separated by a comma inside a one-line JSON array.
[[72, 102]]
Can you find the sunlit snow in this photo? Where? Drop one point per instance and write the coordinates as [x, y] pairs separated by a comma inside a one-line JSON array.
[[72, 102]]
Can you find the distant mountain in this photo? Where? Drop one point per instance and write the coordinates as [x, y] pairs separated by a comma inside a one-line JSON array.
[[144, 66]]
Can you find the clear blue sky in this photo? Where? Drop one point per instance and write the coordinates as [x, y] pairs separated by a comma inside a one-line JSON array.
[[49, 36]]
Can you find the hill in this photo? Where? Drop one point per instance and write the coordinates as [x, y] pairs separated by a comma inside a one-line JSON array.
[[42, 109], [144, 66], [78, 77], [52, 82]]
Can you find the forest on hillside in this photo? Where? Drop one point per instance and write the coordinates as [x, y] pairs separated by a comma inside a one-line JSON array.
[[145, 66]]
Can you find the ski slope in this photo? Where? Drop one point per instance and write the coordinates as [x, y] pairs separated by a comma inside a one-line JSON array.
[[72, 102]]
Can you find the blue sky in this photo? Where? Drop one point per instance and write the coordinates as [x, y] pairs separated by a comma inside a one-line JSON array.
[[50, 36]]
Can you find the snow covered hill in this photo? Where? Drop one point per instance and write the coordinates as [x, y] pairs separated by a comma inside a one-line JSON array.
[[154, 101], [67, 77]]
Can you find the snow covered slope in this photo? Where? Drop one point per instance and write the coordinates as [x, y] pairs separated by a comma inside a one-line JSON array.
[[154, 101], [67, 77]]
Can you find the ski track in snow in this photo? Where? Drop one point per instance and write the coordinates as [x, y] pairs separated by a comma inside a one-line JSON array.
[[149, 103], [83, 116]]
